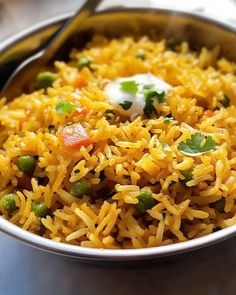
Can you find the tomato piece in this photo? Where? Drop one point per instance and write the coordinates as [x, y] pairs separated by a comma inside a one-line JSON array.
[[81, 111], [80, 81], [74, 136], [208, 113]]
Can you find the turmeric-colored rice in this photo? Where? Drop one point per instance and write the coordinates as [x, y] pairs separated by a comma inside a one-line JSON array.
[[126, 154]]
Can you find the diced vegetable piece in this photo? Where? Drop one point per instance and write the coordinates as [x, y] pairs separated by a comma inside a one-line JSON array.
[[64, 107], [188, 175], [45, 79], [194, 147], [80, 188], [219, 205], [74, 136], [8, 203], [26, 164], [84, 62], [81, 111], [129, 86], [80, 81], [146, 201], [140, 54], [208, 113], [126, 105], [39, 209]]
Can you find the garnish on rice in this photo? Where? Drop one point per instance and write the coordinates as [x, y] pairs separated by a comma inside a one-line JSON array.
[[197, 145], [137, 95], [74, 136]]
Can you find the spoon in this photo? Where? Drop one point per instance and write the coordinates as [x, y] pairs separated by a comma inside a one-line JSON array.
[[30, 67]]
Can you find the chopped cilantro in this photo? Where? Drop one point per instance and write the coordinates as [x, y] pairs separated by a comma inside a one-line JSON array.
[[149, 107], [126, 105], [165, 146], [129, 86], [155, 93], [63, 107], [168, 120], [150, 94], [194, 147]]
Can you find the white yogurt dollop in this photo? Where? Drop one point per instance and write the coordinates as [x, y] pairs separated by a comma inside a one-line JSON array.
[[116, 96]]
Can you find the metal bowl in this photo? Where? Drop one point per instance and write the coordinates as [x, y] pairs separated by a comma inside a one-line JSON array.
[[196, 29]]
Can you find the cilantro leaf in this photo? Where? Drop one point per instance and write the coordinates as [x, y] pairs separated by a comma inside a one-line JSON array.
[[129, 86], [168, 120], [194, 147], [150, 94], [166, 147], [149, 107], [64, 106], [126, 105], [155, 93]]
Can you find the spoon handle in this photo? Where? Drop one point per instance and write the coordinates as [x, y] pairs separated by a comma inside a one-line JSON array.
[[67, 30]]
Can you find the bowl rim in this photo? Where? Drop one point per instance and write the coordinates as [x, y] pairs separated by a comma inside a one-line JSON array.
[[112, 254]]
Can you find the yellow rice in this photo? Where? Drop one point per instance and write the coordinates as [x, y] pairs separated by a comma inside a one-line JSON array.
[[127, 151]]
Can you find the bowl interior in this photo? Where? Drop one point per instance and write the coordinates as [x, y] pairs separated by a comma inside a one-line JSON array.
[[160, 23]]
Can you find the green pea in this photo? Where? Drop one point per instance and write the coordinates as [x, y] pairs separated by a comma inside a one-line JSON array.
[[219, 205], [80, 188], [188, 175], [64, 107], [39, 209], [8, 203], [45, 79], [26, 164], [84, 62], [146, 201]]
